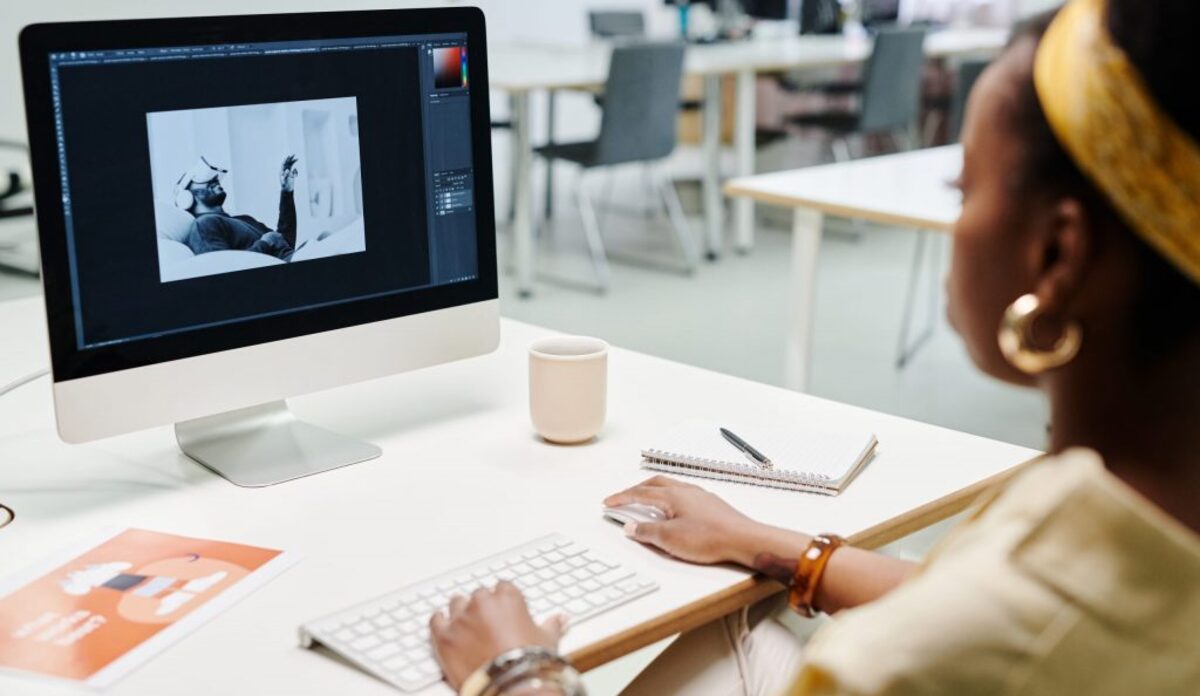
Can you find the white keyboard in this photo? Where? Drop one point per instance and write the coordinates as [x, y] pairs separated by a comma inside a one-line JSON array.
[[389, 636]]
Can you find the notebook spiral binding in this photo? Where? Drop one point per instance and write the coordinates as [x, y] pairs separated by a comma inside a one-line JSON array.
[[716, 466]]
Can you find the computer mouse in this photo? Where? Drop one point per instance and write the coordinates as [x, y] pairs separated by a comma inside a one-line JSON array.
[[634, 512]]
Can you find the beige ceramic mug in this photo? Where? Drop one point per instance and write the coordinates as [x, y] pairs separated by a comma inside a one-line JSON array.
[[568, 383]]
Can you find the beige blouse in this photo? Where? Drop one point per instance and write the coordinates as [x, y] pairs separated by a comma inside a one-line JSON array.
[[1065, 582]]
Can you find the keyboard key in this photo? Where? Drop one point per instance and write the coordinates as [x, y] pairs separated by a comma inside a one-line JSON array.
[[345, 635], [389, 634], [364, 628], [596, 599], [384, 651], [396, 663], [578, 606], [365, 643], [410, 677]]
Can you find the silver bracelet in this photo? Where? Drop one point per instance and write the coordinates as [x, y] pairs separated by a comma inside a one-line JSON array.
[[526, 667], [536, 674]]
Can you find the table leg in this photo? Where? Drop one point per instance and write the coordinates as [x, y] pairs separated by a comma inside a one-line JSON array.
[[549, 162], [806, 247], [713, 212], [744, 125], [522, 196]]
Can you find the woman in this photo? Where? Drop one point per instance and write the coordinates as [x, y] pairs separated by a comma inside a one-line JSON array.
[[1077, 271]]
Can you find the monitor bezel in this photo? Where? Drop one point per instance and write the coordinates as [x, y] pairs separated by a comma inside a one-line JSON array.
[[38, 41]]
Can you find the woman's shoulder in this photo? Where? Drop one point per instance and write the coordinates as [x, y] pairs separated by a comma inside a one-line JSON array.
[[1065, 580]]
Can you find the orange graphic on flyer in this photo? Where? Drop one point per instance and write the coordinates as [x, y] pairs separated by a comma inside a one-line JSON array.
[[80, 617]]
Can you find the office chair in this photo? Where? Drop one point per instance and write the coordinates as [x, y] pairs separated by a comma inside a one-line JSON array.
[[612, 24], [890, 97], [968, 73], [638, 124], [820, 17]]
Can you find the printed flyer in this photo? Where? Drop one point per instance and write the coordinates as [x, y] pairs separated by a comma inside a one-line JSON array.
[[94, 614]]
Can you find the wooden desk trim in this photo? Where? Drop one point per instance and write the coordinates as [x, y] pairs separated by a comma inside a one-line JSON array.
[[757, 588], [742, 189]]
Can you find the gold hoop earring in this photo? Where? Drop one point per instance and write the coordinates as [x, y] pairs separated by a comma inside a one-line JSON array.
[[1016, 339]]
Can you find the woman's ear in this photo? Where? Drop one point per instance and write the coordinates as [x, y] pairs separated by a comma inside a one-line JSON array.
[[1065, 256]]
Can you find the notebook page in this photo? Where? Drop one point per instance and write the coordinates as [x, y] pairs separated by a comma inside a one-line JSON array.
[[820, 451]]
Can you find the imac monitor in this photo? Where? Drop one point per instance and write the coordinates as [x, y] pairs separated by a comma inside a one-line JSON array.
[[236, 210]]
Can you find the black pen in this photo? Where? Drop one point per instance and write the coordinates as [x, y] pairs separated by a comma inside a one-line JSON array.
[[745, 448]]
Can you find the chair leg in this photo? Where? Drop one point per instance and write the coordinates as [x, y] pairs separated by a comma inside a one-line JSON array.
[[648, 185], [591, 232], [549, 203], [904, 350], [512, 161], [606, 203], [679, 223], [841, 149]]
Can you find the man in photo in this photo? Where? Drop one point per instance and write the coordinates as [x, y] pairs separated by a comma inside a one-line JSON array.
[[199, 192]]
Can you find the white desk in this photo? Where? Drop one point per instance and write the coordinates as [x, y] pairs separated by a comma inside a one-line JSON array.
[[525, 68], [462, 476], [911, 189]]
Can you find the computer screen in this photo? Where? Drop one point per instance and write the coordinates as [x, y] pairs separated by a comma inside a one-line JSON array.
[[216, 195]]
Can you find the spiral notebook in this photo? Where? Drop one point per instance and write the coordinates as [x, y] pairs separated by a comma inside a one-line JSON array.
[[814, 459]]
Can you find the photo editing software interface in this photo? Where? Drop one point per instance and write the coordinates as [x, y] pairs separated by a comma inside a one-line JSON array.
[[217, 184]]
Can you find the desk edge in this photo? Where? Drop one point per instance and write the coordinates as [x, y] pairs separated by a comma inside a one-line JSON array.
[[736, 190], [757, 588]]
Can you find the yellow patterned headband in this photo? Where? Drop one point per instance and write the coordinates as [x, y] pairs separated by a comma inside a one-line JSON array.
[[1104, 115]]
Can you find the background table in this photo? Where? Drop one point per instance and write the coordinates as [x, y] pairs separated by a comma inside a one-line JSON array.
[[522, 69], [912, 189], [462, 476]]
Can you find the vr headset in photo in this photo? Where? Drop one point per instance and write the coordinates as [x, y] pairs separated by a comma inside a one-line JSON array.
[[202, 172]]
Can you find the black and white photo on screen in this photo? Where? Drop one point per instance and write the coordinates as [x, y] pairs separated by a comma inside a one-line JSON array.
[[244, 187]]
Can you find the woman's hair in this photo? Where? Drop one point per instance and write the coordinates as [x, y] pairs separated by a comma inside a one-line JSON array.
[[1159, 37]]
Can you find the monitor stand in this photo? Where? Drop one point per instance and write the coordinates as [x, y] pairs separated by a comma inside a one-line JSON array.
[[266, 444]]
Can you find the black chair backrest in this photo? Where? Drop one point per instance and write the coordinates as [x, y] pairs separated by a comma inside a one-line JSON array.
[[968, 74], [609, 24], [820, 17], [891, 97], [641, 103]]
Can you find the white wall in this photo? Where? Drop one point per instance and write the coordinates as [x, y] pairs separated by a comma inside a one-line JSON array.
[[508, 20]]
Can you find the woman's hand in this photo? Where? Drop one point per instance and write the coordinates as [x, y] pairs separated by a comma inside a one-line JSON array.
[[700, 527], [491, 622]]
